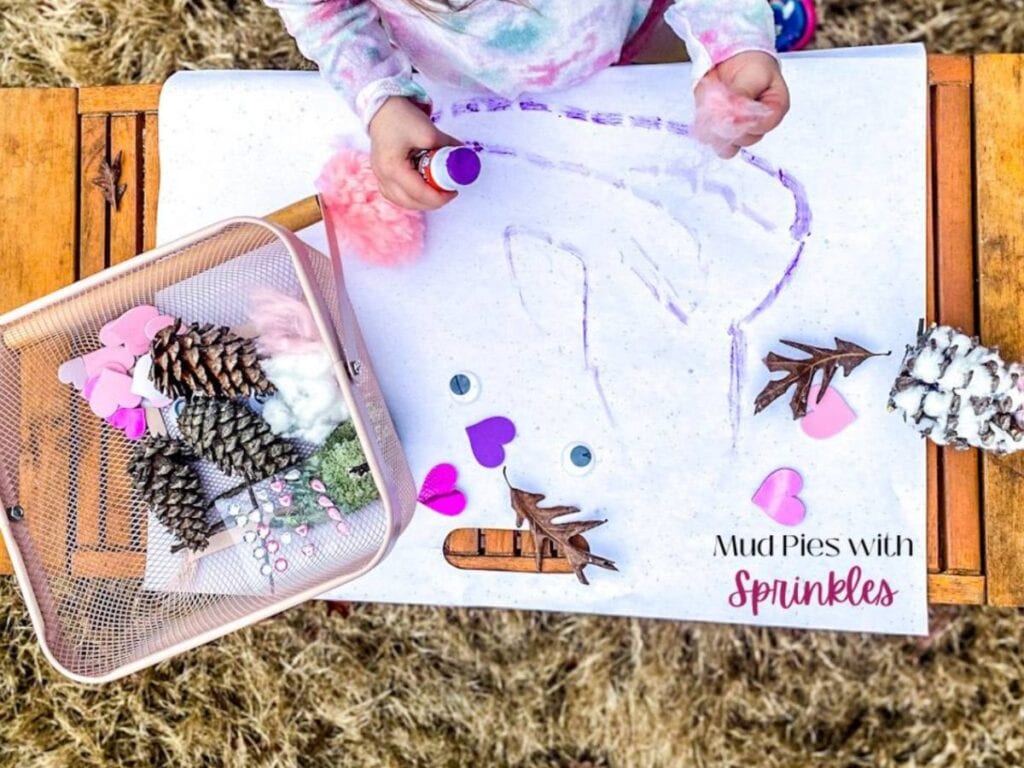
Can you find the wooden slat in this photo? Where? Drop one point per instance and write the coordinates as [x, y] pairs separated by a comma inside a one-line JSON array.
[[119, 98], [960, 500], [38, 236], [126, 236], [126, 221], [960, 590], [92, 258], [931, 450], [151, 179], [108, 565], [999, 174]]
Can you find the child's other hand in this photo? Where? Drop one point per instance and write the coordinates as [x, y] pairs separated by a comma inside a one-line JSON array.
[[397, 130], [749, 75]]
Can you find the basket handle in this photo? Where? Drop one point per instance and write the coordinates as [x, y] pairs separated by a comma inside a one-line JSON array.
[[298, 215]]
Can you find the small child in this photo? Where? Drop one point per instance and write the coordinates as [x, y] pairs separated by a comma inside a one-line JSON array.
[[368, 50]]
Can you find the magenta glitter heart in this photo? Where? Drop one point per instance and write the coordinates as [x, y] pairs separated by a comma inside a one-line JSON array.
[[488, 439], [439, 493]]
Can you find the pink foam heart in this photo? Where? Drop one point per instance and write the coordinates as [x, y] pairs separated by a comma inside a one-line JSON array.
[[105, 357], [827, 418], [73, 372], [112, 390], [439, 492], [130, 329], [131, 421], [777, 496], [157, 324]]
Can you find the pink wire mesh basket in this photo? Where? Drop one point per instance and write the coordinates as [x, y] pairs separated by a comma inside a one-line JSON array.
[[107, 593]]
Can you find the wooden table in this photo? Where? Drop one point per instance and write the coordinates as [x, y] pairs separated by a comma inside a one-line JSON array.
[[55, 227]]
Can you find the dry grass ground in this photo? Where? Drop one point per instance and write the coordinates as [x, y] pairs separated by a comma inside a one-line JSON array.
[[416, 686]]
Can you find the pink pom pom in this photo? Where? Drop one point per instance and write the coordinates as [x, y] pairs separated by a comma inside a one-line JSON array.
[[282, 323], [723, 117], [365, 222]]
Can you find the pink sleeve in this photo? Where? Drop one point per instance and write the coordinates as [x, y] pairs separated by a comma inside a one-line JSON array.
[[346, 39], [715, 30]]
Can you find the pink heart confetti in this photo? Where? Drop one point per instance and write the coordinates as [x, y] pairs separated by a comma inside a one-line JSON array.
[[111, 390], [73, 372], [130, 329], [302, 530], [777, 496], [131, 421], [827, 418], [308, 550], [285, 500], [157, 324], [488, 439], [107, 357], [272, 546], [439, 493], [277, 486]]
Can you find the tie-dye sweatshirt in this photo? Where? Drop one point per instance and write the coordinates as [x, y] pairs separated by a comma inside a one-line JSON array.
[[368, 49]]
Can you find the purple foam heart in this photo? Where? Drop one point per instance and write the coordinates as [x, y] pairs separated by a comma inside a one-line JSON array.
[[488, 439], [73, 372]]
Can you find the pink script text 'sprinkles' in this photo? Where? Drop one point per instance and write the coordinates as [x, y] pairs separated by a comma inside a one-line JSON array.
[[835, 590]]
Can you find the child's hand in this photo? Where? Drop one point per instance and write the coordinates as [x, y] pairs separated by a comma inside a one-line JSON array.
[[397, 130], [750, 75]]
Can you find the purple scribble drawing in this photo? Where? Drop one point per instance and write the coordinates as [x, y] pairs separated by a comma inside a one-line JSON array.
[[512, 232], [799, 230]]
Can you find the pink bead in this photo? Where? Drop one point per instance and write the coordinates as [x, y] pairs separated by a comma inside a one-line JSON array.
[[343, 529], [280, 565], [334, 514], [323, 501], [317, 486]]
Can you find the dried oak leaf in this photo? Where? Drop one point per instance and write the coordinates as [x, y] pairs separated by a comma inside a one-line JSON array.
[[544, 528], [109, 181], [846, 355]]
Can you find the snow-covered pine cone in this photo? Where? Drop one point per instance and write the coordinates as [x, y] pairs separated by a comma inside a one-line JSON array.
[[958, 392]]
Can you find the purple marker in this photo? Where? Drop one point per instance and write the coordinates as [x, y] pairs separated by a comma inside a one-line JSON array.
[[448, 168]]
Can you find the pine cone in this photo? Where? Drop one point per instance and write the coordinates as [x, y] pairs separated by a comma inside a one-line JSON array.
[[206, 360], [161, 474], [234, 438], [958, 392]]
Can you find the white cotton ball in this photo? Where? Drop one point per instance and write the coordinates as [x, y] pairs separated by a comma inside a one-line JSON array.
[[941, 335], [955, 375], [278, 415], [981, 382], [962, 342], [937, 402], [928, 366], [308, 403], [909, 399]]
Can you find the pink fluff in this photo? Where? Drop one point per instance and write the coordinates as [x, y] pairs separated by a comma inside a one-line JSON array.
[[365, 222], [282, 323], [723, 117]]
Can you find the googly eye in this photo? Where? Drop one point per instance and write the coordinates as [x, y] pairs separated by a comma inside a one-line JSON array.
[[578, 459], [179, 406], [464, 387]]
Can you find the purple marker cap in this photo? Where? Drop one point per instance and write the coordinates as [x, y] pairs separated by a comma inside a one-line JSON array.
[[463, 165]]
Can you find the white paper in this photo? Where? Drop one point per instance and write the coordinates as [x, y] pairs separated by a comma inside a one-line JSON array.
[[685, 263]]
